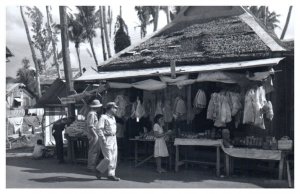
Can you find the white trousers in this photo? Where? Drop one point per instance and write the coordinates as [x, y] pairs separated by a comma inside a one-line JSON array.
[[110, 153], [94, 151]]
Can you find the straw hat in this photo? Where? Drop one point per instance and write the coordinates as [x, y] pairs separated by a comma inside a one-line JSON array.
[[95, 104]]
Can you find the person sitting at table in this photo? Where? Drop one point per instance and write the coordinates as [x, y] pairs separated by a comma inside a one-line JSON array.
[[160, 147]]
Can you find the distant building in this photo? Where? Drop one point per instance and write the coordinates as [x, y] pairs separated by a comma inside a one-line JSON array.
[[19, 97]]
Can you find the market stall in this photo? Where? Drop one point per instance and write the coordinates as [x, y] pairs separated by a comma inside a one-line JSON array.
[[210, 76]]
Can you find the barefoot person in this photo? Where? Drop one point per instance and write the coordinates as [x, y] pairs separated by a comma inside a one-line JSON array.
[[94, 149], [106, 129]]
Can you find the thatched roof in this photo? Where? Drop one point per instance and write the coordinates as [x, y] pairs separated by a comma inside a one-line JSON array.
[[200, 40], [57, 90]]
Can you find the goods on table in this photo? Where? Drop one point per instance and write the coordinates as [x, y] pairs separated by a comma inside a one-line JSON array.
[[285, 143], [267, 143], [77, 128]]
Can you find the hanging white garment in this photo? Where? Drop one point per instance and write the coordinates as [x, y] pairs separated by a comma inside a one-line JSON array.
[[140, 111], [158, 109], [200, 99], [122, 103]]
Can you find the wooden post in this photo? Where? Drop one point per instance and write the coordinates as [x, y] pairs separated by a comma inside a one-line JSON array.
[[65, 48], [66, 54], [173, 69]]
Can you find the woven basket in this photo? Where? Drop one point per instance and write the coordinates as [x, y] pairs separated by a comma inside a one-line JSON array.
[[285, 143]]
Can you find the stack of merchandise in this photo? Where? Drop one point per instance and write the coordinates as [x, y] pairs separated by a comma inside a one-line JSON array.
[[77, 128]]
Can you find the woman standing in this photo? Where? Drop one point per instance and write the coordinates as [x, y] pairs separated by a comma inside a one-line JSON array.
[[160, 147]]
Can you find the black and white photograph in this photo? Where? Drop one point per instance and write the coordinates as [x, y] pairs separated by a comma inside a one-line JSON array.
[[126, 95]]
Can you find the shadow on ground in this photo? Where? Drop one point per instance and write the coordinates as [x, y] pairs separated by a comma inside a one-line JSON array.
[[127, 172]]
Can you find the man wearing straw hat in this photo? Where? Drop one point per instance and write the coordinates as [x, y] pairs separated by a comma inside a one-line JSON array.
[[106, 129], [94, 149]]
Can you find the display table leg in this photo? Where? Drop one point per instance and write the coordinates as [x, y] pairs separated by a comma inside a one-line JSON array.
[[227, 164], [176, 158], [218, 161], [288, 173], [170, 157], [281, 163], [135, 153], [69, 158]]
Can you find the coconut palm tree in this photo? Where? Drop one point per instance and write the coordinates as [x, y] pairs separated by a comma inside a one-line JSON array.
[[88, 19], [144, 14], [34, 58], [106, 31], [76, 35], [268, 18], [286, 22], [99, 12], [53, 39]]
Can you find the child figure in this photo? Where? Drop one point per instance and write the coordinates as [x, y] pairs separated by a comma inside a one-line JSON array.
[[39, 150], [160, 147]]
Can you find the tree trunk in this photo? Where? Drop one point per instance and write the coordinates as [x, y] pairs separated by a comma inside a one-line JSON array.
[[65, 48], [102, 32], [106, 33], [286, 23], [109, 12], [37, 77], [168, 15], [156, 18], [79, 61], [93, 51], [53, 43]]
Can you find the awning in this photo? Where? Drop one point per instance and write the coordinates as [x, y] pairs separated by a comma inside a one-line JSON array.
[[179, 69]]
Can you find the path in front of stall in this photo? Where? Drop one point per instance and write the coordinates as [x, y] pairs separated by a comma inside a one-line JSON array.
[[24, 172]]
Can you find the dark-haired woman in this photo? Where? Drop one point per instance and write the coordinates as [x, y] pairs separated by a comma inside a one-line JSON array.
[[160, 147]]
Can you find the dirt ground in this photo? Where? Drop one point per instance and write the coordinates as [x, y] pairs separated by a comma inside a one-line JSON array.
[[24, 172]]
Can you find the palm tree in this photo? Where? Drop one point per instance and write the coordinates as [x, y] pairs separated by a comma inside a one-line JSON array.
[[268, 18], [50, 22], [76, 35], [286, 22], [122, 39], [34, 58], [87, 18], [105, 31], [144, 13], [26, 76], [102, 32]]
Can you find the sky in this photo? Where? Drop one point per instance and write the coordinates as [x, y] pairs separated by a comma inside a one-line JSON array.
[[17, 42]]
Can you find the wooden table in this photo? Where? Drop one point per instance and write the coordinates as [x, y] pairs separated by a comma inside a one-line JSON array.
[[197, 142], [77, 148], [251, 153], [138, 162]]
